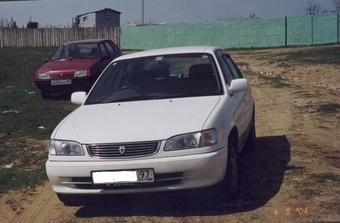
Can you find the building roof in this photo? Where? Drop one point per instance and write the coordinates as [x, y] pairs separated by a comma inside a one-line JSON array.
[[100, 11]]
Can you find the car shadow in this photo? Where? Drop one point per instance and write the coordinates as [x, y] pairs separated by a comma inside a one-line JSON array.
[[261, 177], [60, 97]]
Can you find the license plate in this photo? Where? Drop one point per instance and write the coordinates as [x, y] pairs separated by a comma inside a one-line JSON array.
[[126, 176], [61, 82]]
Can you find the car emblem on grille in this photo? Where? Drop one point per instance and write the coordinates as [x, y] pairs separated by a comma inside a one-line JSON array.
[[122, 150], [61, 75]]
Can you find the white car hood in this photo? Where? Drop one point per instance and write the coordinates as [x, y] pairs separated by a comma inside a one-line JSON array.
[[136, 121]]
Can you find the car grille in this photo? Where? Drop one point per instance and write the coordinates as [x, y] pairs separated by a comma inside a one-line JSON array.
[[62, 75], [123, 150]]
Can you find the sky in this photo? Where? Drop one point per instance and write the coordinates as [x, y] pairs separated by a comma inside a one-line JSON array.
[[59, 13]]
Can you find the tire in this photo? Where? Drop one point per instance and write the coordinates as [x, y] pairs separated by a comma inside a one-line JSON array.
[[45, 94], [228, 189], [231, 180], [250, 144]]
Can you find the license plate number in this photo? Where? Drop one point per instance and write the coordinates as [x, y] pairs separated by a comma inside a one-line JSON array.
[[127, 176], [61, 82]]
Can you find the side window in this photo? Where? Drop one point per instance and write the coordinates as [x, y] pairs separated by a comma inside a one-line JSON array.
[[115, 47], [109, 47], [103, 50], [238, 70], [234, 70], [227, 73]]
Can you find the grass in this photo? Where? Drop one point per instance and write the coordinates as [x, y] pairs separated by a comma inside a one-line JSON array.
[[303, 94], [312, 184], [26, 120], [329, 108], [313, 55], [328, 55], [325, 108], [275, 82], [307, 56], [322, 177]]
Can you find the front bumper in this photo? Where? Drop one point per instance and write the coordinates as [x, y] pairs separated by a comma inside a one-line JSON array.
[[77, 84], [171, 173]]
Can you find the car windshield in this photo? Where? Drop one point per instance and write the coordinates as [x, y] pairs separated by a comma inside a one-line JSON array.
[[157, 77], [83, 50]]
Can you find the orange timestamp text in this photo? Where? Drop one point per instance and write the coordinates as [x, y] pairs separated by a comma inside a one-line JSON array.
[[290, 211]]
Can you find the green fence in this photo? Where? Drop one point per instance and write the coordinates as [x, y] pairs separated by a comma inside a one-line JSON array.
[[283, 31]]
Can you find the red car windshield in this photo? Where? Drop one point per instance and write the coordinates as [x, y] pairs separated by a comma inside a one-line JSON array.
[[83, 50]]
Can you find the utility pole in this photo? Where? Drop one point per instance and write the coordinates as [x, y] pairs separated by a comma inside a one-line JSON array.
[[142, 12]]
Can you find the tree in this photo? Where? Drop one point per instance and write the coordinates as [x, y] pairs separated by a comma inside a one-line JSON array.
[[336, 4], [4, 23], [314, 7], [230, 18]]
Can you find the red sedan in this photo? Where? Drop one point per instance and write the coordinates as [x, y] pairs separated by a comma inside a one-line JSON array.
[[75, 66]]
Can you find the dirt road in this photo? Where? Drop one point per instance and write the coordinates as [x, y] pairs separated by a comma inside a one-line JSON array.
[[294, 176]]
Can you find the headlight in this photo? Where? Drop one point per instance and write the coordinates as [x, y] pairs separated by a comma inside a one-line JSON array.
[[44, 75], [65, 148], [80, 73], [192, 140]]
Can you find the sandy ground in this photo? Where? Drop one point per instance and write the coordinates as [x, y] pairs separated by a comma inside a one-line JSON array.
[[294, 176]]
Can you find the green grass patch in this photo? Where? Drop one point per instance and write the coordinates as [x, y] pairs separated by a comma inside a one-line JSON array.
[[26, 120], [275, 82], [18, 66], [322, 177], [304, 94], [308, 56], [315, 55], [329, 108], [312, 184], [326, 108], [14, 179]]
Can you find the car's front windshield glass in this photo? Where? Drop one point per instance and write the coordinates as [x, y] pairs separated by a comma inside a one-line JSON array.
[[83, 50], [157, 77]]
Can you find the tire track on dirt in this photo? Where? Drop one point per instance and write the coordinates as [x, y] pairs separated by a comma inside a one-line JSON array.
[[45, 207]]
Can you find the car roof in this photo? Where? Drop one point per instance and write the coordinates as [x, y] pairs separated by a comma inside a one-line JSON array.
[[171, 50], [85, 41]]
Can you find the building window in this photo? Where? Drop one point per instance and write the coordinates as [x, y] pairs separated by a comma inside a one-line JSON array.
[[107, 15], [84, 18]]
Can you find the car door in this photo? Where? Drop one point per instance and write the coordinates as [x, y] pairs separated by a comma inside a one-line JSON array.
[[105, 57], [242, 100], [247, 100]]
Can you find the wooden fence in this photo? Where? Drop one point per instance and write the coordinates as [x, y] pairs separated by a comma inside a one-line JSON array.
[[21, 37]]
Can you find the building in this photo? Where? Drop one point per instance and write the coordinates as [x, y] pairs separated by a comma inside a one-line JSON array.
[[102, 18]]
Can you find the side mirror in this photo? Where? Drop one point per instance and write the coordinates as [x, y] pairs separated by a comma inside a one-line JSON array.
[[45, 60], [78, 97], [238, 85]]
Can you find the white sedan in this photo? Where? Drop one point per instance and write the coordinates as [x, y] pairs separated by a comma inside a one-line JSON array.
[[157, 120]]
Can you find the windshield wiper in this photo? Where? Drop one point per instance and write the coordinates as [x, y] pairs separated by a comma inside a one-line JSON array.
[[134, 98], [191, 94]]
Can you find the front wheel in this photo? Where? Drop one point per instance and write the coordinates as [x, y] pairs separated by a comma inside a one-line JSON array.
[[250, 144], [228, 189], [231, 180], [45, 94]]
